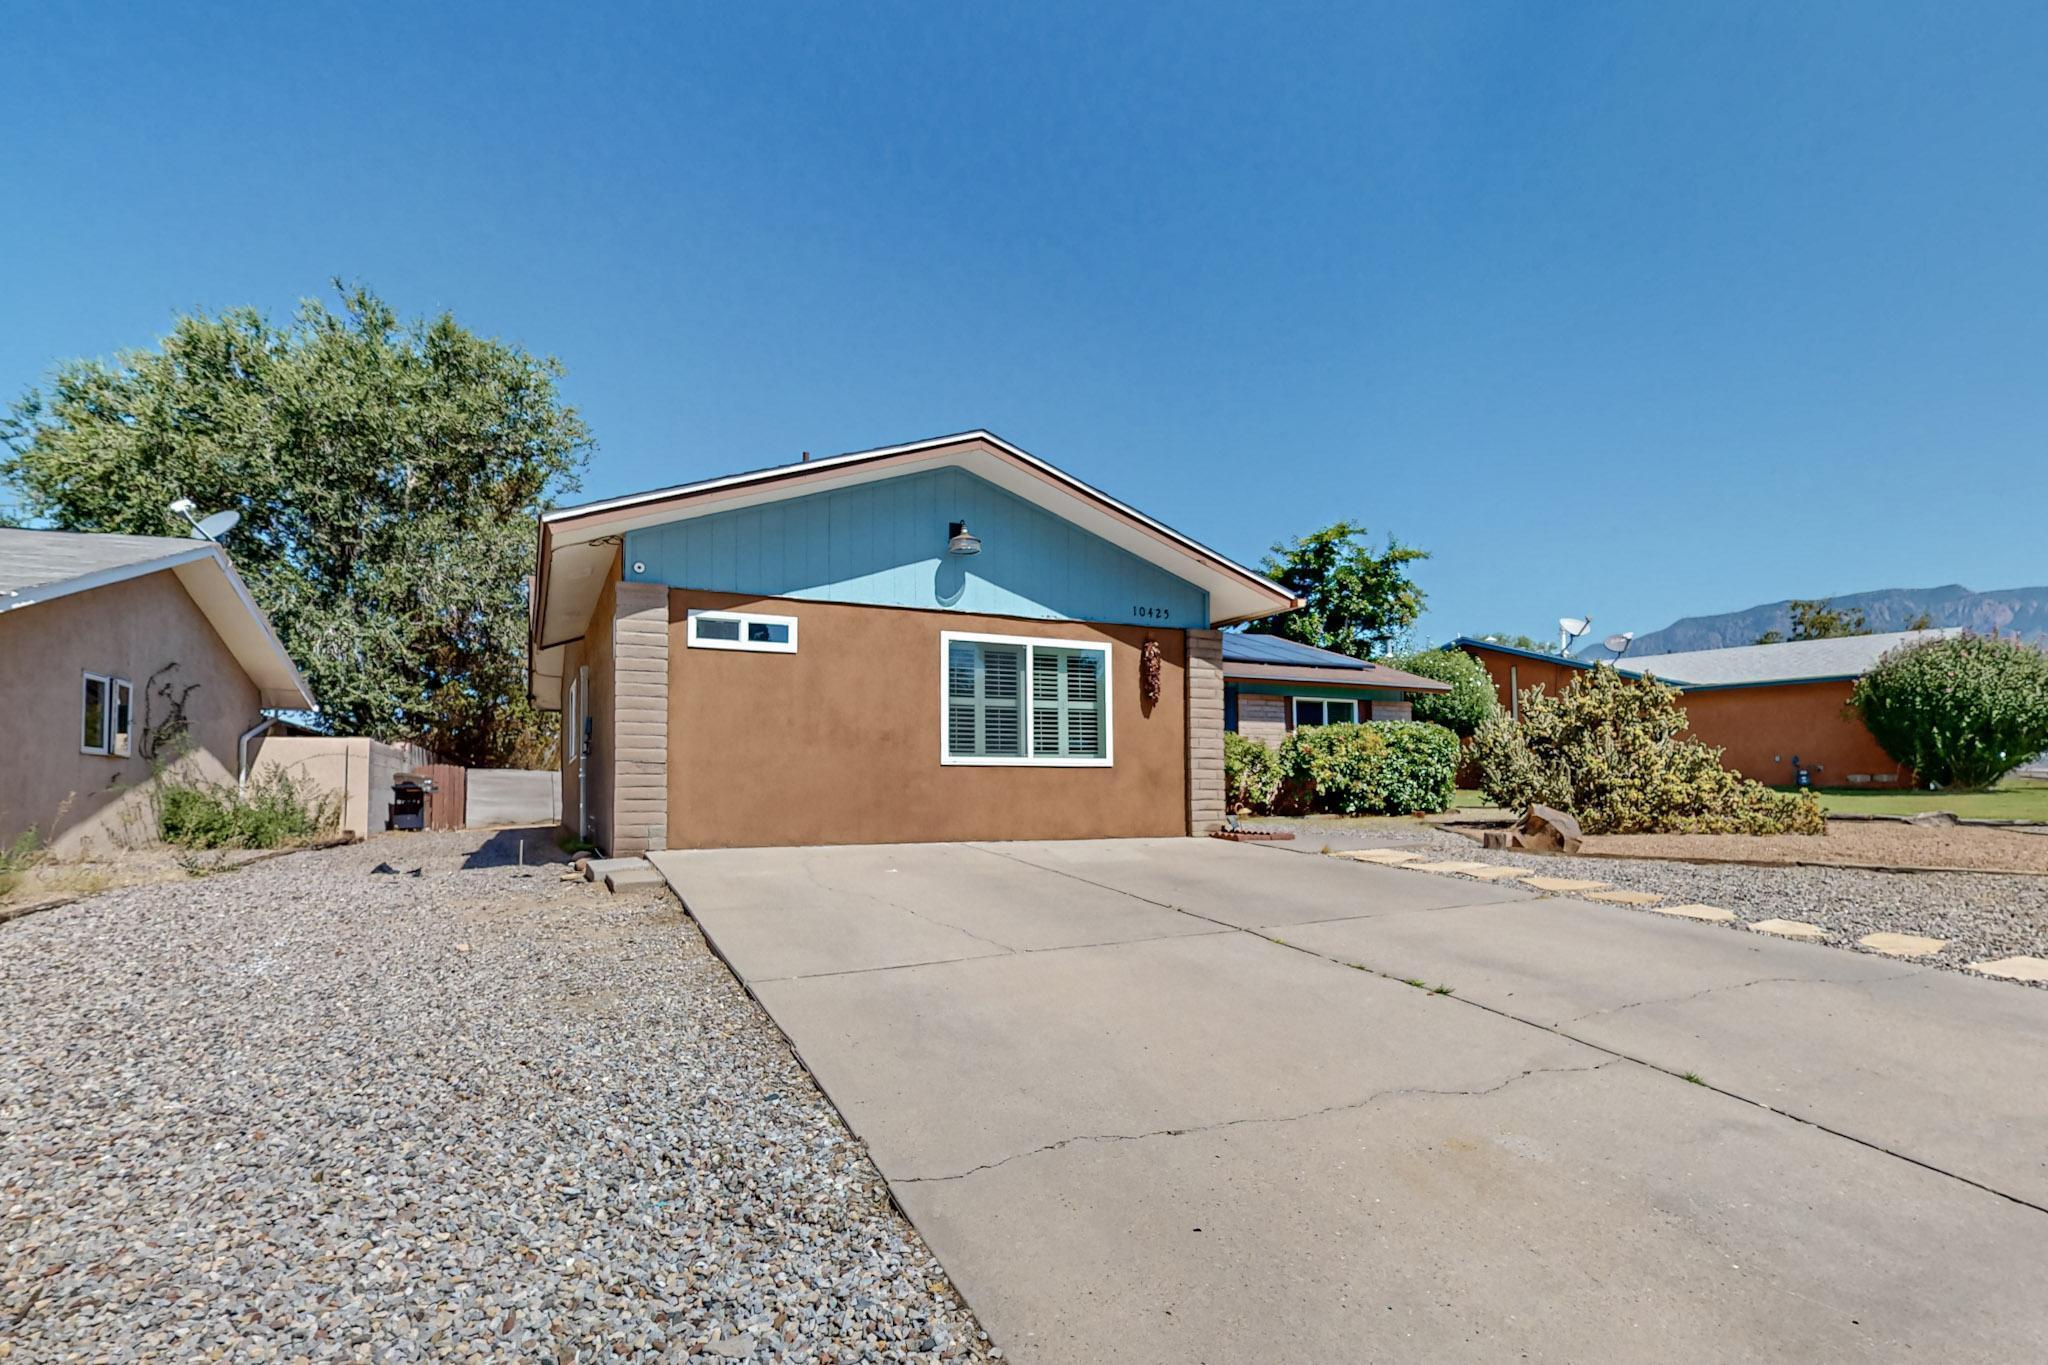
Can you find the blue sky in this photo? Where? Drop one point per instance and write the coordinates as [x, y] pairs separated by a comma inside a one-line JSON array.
[[1637, 310]]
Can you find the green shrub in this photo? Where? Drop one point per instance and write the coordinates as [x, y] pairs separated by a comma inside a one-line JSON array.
[[1251, 775], [1469, 704], [1961, 712], [18, 857], [1389, 767], [273, 810], [1610, 750]]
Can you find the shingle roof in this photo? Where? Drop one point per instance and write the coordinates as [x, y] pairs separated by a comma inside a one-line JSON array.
[[1850, 656], [42, 559], [1239, 647]]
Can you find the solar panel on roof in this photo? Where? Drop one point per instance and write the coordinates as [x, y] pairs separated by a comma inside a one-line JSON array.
[[1274, 649]]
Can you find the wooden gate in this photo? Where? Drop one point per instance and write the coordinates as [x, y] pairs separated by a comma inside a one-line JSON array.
[[447, 801]]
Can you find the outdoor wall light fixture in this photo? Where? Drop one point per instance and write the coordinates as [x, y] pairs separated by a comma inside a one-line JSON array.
[[960, 542]]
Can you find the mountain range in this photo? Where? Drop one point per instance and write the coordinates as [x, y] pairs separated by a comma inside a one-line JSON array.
[[2009, 611]]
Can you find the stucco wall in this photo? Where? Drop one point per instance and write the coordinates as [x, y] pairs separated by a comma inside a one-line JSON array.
[[598, 766], [839, 742], [82, 802], [1762, 728]]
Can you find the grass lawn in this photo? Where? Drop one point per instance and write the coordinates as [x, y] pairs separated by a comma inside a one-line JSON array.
[[2012, 799]]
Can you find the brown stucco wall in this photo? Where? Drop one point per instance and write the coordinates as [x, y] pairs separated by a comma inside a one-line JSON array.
[[81, 803], [599, 766], [839, 742]]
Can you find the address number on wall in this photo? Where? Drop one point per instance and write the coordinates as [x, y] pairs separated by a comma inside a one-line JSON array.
[[1145, 613]]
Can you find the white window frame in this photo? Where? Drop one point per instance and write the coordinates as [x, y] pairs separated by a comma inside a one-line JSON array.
[[1027, 759], [85, 682], [120, 738], [745, 619], [1294, 710]]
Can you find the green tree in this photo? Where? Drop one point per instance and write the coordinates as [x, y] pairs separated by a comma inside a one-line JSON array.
[[1472, 700], [387, 473], [1959, 712], [1528, 642], [1359, 602], [1817, 619]]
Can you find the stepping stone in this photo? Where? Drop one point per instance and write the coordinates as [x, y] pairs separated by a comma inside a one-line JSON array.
[[1903, 945], [1565, 884], [1625, 897], [625, 877], [1380, 855], [1448, 867], [1499, 874], [2015, 968], [1789, 928], [597, 869], [1706, 912]]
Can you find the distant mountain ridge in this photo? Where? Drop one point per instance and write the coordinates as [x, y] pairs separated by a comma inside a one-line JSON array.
[[2010, 611]]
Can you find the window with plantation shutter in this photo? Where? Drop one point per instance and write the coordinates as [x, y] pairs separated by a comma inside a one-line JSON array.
[[1016, 700]]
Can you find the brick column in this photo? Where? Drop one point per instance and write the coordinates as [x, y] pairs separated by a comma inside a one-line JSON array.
[[639, 822], [1205, 731]]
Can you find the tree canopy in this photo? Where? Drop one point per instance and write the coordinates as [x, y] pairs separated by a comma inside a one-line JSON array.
[[1817, 618], [1469, 704], [387, 474], [1360, 602]]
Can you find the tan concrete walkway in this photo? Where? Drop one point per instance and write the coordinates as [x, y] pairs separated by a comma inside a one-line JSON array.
[[1176, 1100]]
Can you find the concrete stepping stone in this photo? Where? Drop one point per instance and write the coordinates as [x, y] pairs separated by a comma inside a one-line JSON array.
[[1499, 874], [1713, 913], [1903, 945], [1626, 897], [2015, 968], [625, 877], [1379, 855], [1789, 928], [1565, 884], [1447, 868]]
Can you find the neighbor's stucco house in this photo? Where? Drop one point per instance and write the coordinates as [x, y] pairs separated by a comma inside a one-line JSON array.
[[1771, 709], [119, 654], [1273, 685], [810, 654]]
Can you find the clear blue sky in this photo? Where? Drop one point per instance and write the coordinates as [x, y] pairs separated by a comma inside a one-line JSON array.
[[1637, 310]]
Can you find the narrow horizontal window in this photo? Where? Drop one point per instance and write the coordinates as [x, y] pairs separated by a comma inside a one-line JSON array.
[[1014, 700], [747, 630]]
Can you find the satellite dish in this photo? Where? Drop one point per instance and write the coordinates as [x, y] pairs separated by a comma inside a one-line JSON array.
[[1619, 643], [1570, 628], [215, 526]]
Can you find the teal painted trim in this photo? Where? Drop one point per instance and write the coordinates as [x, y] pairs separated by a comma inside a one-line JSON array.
[[1281, 689], [884, 544]]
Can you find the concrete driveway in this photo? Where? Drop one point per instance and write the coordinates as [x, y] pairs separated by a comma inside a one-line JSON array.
[[1173, 1100]]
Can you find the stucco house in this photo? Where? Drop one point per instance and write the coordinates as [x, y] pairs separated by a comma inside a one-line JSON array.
[[119, 653], [1272, 685], [1773, 710], [949, 639]]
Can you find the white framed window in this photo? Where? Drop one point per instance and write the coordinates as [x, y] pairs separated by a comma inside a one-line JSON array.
[[1316, 711], [106, 708], [1015, 700], [712, 629], [121, 718]]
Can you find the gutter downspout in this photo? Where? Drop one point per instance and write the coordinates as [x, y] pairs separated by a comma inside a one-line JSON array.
[[242, 752]]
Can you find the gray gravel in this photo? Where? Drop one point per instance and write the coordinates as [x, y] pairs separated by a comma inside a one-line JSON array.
[[311, 1111], [1983, 916]]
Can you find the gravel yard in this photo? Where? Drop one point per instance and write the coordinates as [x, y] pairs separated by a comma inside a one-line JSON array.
[[1981, 915], [458, 1110]]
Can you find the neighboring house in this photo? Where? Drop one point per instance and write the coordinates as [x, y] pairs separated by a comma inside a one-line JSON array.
[[944, 640], [119, 654], [1272, 685], [1771, 709]]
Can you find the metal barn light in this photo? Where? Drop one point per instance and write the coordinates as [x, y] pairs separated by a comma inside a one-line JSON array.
[[960, 541]]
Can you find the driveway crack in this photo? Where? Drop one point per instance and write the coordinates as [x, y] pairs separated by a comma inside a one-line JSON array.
[[1393, 1092], [1736, 986]]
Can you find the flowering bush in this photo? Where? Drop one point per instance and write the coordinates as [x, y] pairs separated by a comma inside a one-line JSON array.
[[1611, 751], [1469, 704], [1251, 775], [1959, 712]]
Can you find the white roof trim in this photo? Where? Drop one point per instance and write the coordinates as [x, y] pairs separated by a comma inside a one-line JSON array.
[[217, 592]]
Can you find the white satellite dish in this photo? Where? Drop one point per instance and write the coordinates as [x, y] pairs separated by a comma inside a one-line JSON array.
[[215, 526], [1619, 643], [1570, 628]]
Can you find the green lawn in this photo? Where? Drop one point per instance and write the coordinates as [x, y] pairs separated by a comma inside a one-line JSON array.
[[2013, 799]]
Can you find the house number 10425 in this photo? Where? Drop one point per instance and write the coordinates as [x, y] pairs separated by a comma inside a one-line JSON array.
[[1145, 613]]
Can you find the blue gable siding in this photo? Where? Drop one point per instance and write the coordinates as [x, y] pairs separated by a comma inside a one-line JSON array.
[[884, 544]]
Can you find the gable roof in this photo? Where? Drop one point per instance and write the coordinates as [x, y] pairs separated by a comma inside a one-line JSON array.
[[576, 544], [1275, 659], [44, 566], [1794, 661]]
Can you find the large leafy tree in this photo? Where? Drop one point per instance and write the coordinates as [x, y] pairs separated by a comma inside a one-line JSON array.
[[1817, 618], [1360, 601], [387, 473]]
